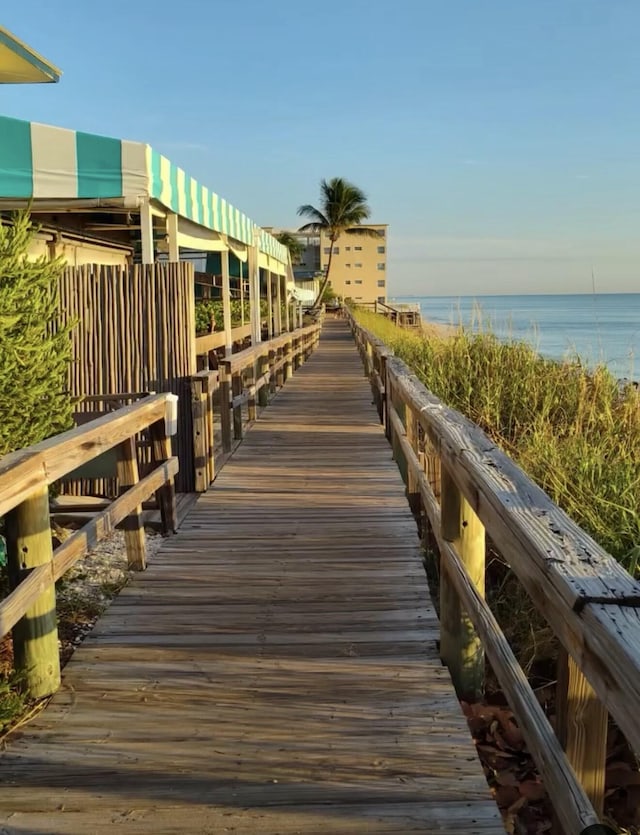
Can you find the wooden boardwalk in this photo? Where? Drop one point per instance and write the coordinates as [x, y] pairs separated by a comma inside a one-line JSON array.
[[275, 670]]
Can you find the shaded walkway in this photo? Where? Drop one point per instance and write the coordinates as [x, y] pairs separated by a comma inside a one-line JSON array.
[[275, 670]]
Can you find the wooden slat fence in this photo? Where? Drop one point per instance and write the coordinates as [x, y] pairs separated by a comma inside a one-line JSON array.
[[135, 332], [461, 485]]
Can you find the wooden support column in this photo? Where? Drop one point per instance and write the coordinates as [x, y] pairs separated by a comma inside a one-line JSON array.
[[413, 493], [35, 636], [269, 281], [236, 391], [146, 232], [252, 406], [280, 370], [172, 235], [581, 727], [272, 371], [254, 287], [226, 301], [460, 646], [225, 406], [288, 359], [263, 368], [198, 411], [165, 495], [127, 469], [278, 311]]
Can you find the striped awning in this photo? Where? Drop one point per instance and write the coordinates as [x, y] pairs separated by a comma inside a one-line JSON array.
[[19, 64], [46, 163]]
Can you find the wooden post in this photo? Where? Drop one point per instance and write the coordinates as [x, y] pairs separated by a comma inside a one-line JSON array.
[[208, 388], [198, 408], [269, 279], [236, 390], [581, 727], [460, 646], [225, 414], [280, 370], [226, 301], [263, 391], [252, 407], [413, 494], [35, 636], [146, 232], [272, 371], [278, 310], [172, 235], [288, 357], [127, 468], [166, 495]]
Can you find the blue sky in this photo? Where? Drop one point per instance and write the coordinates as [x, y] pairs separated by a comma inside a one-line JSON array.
[[500, 140]]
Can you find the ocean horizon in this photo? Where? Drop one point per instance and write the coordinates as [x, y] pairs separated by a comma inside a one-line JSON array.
[[599, 328]]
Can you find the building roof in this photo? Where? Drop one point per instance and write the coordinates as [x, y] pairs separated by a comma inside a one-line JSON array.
[[56, 167], [19, 64]]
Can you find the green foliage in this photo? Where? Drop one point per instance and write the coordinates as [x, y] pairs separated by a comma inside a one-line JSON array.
[[34, 351], [574, 431], [211, 310]]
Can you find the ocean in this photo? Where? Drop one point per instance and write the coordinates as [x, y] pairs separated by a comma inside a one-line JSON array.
[[600, 328]]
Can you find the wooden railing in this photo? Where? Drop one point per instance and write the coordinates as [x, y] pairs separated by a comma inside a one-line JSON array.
[[34, 567], [461, 487], [246, 378]]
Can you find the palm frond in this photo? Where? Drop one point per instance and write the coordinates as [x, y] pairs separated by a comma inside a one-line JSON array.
[[315, 215]]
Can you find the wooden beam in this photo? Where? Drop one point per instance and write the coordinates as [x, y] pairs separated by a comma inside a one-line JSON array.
[[133, 527], [226, 302], [146, 232]]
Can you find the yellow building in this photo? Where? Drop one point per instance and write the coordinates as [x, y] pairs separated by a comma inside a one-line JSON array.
[[358, 264], [20, 64]]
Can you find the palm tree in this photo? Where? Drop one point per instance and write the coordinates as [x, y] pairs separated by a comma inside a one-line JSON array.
[[295, 246], [343, 207]]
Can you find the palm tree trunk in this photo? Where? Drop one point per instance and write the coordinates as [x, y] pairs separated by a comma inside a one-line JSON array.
[[325, 281]]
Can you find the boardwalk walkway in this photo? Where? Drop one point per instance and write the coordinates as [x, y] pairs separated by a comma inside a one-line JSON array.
[[275, 670]]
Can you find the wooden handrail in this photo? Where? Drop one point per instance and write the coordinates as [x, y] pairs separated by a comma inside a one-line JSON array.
[[246, 377], [25, 477], [591, 603]]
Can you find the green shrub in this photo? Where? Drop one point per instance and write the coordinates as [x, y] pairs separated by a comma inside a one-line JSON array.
[[34, 352]]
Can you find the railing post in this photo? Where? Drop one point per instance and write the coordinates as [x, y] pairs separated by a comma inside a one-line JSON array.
[[35, 636], [263, 391], [225, 406], [460, 647], [272, 371], [207, 391], [413, 494], [252, 407], [280, 370], [236, 391], [166, 495], [198, 413], [288, 359], [581, 727], [127, 469]]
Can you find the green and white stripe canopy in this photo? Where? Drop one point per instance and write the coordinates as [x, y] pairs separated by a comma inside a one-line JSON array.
[[46, 163]]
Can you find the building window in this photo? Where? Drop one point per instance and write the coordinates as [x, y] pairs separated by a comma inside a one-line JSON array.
[[347, 249], [358, 281], [327, 250], [358, 264], [336, 250], [381, 282], [348, 281], [382, 299], [381, 233], [381, 250], [382, 266], [348, 266], [358, 248]]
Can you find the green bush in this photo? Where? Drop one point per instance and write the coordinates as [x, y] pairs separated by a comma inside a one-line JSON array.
[[208, 310], [34, 352]]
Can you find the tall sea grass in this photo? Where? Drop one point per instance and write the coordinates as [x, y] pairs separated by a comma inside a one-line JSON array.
[[575, 431]]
